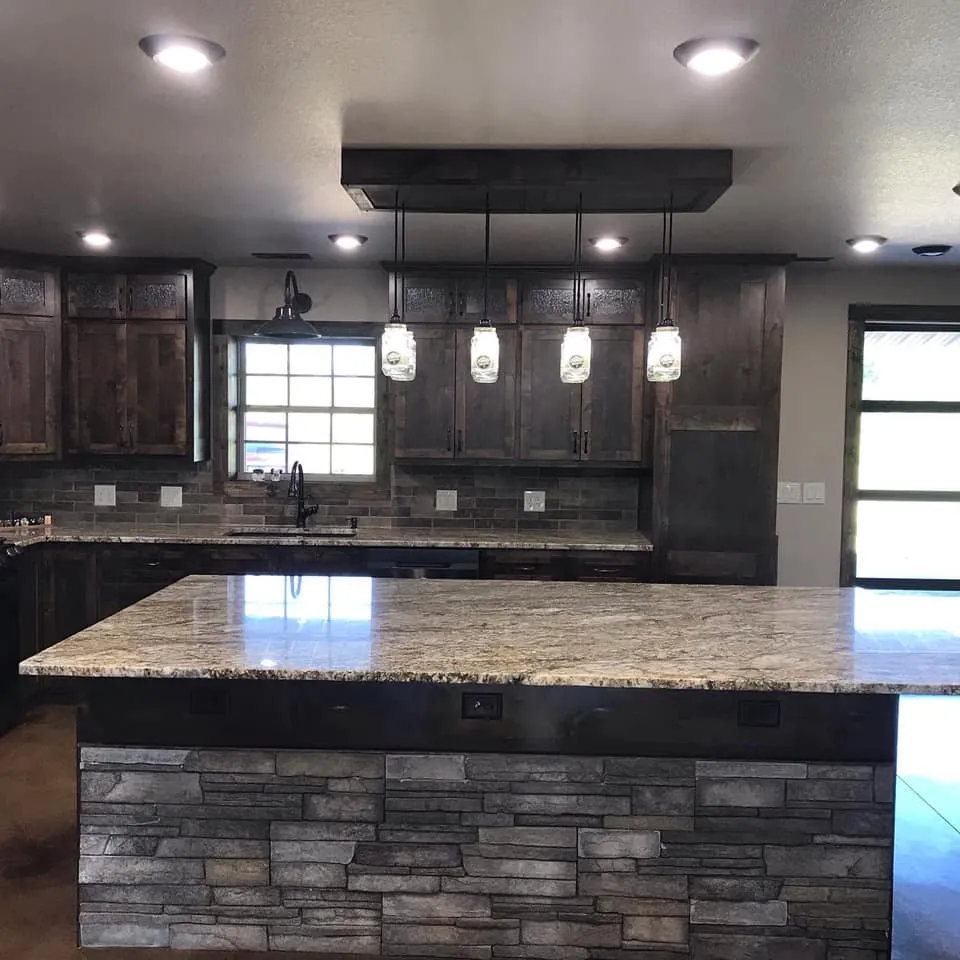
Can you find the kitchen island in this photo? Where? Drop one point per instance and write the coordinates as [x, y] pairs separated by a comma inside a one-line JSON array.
[[478, 769]]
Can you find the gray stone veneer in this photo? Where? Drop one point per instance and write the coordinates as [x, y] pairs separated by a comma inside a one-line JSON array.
[[483, 856]]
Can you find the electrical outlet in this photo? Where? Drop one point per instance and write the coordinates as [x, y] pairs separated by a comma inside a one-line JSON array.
[[534, 500], [789, 491], [814, 492], [447, 500], [104, 495], [171, 497]]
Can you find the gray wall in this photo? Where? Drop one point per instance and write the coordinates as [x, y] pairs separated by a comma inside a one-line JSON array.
[[814, 392]]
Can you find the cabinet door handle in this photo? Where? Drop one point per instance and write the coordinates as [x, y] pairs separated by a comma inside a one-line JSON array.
[[449, 440], [129, 301], [588, 304], [576, 441], [121, 443], [459, 441], [462, 305], [1, 434], [130, 435], [586, 442], [452, 300]]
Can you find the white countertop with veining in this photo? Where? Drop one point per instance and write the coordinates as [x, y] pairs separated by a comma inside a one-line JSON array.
[[538, 633]]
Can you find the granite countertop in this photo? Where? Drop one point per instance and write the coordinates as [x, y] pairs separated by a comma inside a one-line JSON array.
[[555, 634], [370, 536]]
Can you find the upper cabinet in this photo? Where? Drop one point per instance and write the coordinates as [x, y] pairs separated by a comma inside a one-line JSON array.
[[457, 299], [30, 389], [28, 293], [547, 300], [614, 301], [105, 296], [442, 413], [137, 363]]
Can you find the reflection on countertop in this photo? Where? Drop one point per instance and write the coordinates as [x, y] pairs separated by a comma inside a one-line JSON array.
[[367, 536], [541, 633]]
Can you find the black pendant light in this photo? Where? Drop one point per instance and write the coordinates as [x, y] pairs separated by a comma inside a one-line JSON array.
[[287, 323], [575, 350], [665, 348], [485, 344], [398, 348]]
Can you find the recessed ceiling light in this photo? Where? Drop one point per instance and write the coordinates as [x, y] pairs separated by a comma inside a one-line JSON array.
[[932, 249], [716, 56], [607, 244], [180, 53], [348, 241], [867, 244], [96, 239]]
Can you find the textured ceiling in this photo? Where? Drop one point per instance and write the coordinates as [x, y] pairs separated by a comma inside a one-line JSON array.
[[846, 122]]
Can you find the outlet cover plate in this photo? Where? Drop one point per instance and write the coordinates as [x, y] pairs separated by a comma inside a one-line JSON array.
[[789, 491], [447, 500], [815, 492], [171, 497], [104, 495], [534, 501]]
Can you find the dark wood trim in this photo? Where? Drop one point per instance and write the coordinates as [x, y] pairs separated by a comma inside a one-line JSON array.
[[918, 496], [851, 449], [909, 406], [639, 269], [893, 583], [910, 315]]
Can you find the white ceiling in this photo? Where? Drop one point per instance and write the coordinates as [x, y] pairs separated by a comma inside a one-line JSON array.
[[846, 122]]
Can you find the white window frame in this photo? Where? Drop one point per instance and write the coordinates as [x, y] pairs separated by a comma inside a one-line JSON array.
[[375, 411]]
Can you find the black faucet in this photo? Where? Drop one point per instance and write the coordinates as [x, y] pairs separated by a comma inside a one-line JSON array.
[[296, 489]]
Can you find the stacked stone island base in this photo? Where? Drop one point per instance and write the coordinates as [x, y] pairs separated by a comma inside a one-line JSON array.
[[484, 855]]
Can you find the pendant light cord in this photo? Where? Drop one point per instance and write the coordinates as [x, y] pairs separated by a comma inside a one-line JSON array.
[[396, 248], [403, 265], [666, 266], [670, 260], [486, 262], [577, 264]]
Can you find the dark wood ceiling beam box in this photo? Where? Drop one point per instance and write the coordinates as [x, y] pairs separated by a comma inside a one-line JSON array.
[[535, 181]]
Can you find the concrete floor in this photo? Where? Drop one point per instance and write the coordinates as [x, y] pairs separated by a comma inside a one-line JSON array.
[[37, 841]]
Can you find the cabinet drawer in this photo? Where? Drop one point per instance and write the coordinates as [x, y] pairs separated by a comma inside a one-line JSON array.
[[523, 565], [137, 564], [609, 566]]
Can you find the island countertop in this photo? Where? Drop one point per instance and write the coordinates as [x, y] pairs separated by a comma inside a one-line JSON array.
[[536, 633]]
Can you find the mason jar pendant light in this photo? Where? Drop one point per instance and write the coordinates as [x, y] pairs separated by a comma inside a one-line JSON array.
[[485, 344], [665, 348], [575, 349], [398, 349]]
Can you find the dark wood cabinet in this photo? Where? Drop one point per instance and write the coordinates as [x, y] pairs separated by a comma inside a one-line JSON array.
[[501, 301], [614, 301], [428, 299], [486, 421], [29, 386], [137, 378], [97, 295], [546, 300], [612, 412], [160, 297], [96, 386], [549, 410], [105, 296], [156, 384], [425, 407], [717, 428], [28, 293]]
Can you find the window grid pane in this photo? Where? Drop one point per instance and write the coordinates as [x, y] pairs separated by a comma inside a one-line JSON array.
[[300, 397]]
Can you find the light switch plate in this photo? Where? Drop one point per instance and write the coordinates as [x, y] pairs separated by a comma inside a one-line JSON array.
[[814, 492], [104, 495], [789, 491], [535, 501], [446, 499], [171, 497]]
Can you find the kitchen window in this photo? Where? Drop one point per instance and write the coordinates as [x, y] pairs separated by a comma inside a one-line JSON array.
[[314, 402], [902, 473]]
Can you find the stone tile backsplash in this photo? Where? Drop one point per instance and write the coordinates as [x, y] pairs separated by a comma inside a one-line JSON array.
[[488, 497]]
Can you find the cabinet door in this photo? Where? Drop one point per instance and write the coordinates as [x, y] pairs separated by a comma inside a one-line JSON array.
[[614, 301], [428, 299], [613, 396], [549, 409], [156, 376], [97, 295], [548, 300], [501, 301], [29, 386], [28, 293], [487, 412], [156, 297], [96, 387], [425, 406]]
